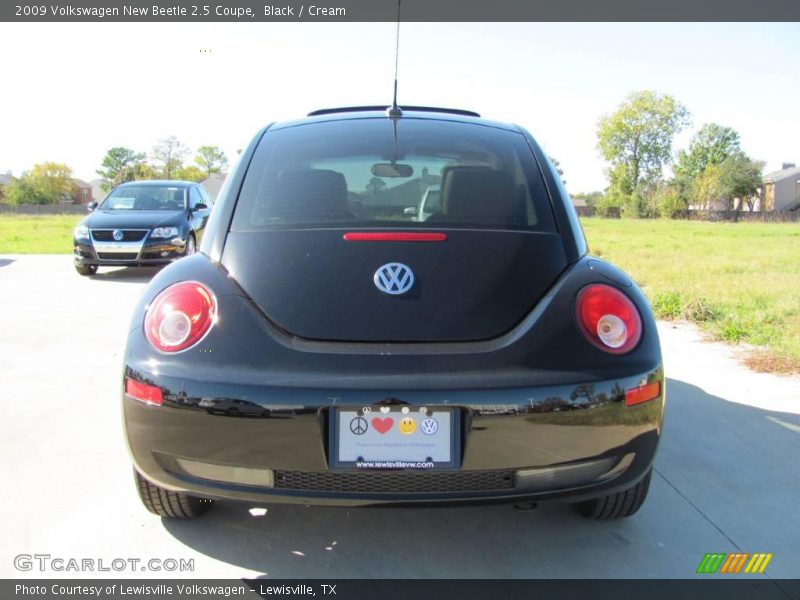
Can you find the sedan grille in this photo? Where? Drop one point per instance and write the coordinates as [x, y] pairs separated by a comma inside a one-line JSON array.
[[128, 235], [117, 255], [396, 482]]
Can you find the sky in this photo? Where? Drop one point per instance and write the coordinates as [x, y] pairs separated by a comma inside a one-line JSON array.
[[71, 91]]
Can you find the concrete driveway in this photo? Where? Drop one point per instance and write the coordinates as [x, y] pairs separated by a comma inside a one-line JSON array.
[[726, 475]]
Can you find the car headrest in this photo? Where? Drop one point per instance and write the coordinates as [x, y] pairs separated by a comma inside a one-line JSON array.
[[307, 195], [479, 194]]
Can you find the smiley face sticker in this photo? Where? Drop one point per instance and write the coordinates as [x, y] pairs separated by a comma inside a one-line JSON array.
[[407, 426]]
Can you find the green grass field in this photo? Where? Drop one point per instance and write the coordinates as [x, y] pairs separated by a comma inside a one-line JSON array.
[[613, 413], [739, 281], [50, 234]]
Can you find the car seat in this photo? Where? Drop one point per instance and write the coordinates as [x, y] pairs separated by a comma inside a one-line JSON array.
[[307, 196], [479, 195]]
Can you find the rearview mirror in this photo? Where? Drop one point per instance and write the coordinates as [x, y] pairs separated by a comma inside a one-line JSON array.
[[392, 170], [91, 206], [200, 206], [410, 211]]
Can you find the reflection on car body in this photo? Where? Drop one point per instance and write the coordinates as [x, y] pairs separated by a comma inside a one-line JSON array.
[[233, 407]]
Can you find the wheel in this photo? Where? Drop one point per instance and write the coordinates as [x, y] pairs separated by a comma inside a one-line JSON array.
[[86, 269], [191, 245], [232, 412], [166, 503], [619, 505]]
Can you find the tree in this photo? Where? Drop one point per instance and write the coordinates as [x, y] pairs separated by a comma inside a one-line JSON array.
[[558, 168], [375, 185], [45, 183], [583, 391], [607, 206], [668, 202], [707, 190], [718, 186], [23, 190], [192, 173], [211, 160], [115, 160], [741, 178], [169, 154], [134, 172], [711, 145], [637, 140]]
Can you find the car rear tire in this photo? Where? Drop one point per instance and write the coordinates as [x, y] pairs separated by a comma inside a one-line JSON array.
[[617, 506], [86, 270], [166, 503]]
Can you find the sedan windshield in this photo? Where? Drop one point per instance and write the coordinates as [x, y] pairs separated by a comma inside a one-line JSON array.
[[145, 197]]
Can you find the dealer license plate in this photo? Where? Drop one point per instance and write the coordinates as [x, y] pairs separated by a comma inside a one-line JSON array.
[[394, 438]]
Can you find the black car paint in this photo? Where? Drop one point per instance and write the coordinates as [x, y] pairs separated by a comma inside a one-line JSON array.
[[190, 221], [298, 280], [540, 365]]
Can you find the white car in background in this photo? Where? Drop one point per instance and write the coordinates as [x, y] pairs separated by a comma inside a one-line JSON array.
[[430, 204]]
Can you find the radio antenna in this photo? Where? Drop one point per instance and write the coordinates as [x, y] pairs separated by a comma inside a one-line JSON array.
[[394, 111]]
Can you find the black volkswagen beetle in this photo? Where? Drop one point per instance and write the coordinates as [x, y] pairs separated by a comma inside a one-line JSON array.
[[142, 223], [476, 354]]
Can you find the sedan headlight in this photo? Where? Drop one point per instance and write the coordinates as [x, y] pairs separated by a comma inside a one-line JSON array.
[[81, 232], [164, 232]]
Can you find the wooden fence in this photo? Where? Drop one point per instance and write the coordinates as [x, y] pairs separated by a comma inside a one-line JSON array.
[[44, 209], [731, 216]]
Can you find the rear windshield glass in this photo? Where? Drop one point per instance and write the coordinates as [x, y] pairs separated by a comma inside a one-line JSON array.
[[373, 172], [145, 197]]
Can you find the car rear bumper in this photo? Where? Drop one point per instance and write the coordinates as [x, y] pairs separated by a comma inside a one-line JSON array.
[[568, 442]]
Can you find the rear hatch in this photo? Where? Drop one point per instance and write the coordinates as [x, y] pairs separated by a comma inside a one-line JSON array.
[[316, 285], [308, 186]]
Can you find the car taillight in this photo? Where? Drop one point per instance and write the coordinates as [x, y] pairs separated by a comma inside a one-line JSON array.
[[608, 318], [180, 316]]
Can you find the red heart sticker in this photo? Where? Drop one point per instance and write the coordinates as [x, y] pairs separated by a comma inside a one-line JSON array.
[[382, 425]]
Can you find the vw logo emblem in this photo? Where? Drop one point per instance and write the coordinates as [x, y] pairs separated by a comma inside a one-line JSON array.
[[429, 426], [118, 235], [394, 278]]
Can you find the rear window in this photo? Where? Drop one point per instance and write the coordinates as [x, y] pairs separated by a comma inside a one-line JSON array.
[[367, 173]]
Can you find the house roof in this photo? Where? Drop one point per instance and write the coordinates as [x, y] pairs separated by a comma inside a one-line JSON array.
[[578, 201], [81, 183], [776, 176], [214, 183]]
